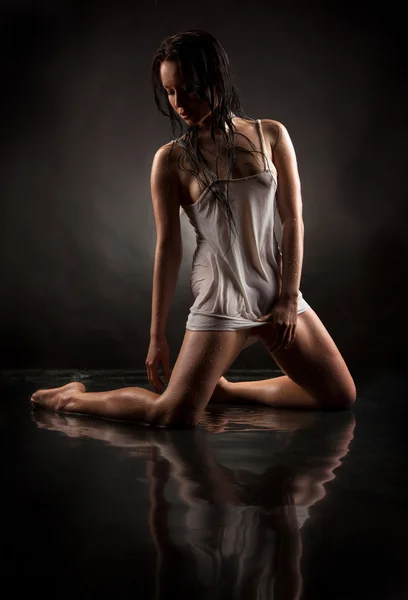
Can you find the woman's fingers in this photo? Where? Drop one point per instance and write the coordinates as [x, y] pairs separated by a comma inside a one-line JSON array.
[[285, 337], [154, 378], [158, 354], [158, 382], [166, 366], [280, 336], [292, 336]]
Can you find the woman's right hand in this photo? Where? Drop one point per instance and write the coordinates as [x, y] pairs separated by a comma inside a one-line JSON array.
[[158, 354]]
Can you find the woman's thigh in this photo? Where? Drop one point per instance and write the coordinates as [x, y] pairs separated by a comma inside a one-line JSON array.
[[314, 362], [203, 358]]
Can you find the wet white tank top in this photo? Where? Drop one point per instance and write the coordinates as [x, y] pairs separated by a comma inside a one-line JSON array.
[[232, 289]]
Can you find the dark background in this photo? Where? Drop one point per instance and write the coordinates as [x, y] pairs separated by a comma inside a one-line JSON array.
[[79, 132]]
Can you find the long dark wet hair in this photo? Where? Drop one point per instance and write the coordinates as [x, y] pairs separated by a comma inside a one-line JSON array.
[[205, 65]]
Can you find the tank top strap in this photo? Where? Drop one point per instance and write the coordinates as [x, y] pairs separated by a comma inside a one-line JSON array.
[[263, 146]]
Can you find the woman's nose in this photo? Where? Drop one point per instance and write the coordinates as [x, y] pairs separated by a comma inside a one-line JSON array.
[[180, 100]]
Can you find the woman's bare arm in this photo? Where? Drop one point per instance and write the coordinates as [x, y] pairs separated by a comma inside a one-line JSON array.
[[289, 205], [165, 191]]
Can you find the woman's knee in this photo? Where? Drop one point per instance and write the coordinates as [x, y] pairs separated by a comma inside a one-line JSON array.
[[348, 395], [203, 358], [169, 413], [339, 396]]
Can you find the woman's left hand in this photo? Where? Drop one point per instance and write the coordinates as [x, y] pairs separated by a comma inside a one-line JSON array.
[[283, 318]]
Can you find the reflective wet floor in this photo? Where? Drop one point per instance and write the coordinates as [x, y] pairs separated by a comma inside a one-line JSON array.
[[254, 503]]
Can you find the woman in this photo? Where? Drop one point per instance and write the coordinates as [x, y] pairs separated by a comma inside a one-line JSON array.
[[244, 290]]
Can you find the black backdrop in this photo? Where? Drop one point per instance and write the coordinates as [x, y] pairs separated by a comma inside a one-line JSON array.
[[79, 132]]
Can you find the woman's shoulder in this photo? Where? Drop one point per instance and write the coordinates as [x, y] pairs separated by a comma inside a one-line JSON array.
[[165, 164], [167, 155], [170, 147], [273, 130]]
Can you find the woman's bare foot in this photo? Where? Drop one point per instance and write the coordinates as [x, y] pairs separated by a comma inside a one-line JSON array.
[[57, 398]]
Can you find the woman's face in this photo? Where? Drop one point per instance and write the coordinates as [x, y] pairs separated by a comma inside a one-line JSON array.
[[182, 99]]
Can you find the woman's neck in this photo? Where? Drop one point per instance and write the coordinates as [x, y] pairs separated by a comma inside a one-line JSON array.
[[204, 128]]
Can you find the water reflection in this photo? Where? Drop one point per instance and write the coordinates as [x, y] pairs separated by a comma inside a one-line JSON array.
[[225, 511]]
